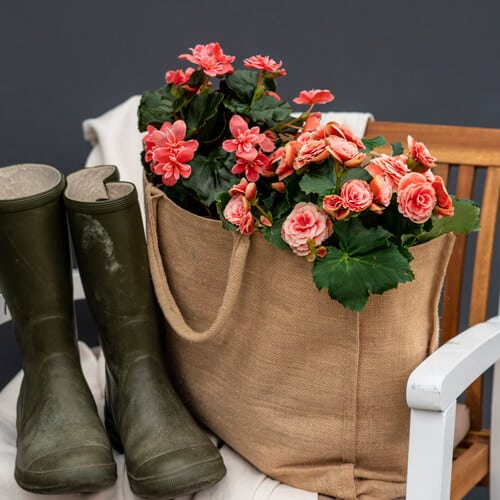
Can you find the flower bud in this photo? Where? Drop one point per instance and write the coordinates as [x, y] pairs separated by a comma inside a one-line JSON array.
[[265, 221], [278, 186], [250, 191]]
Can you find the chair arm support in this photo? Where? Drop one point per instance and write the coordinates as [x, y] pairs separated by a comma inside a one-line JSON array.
[[446, 373]]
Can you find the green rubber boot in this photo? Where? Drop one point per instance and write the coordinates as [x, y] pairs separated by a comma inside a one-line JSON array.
[[62, 446], [166, 453]]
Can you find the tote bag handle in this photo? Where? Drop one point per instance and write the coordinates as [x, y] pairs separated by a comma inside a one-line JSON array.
[[168, 304]]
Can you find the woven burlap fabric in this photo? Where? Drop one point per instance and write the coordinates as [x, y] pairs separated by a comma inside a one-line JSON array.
[[309, 392]]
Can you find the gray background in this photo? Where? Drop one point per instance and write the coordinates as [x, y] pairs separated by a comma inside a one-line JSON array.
[[64, 61]]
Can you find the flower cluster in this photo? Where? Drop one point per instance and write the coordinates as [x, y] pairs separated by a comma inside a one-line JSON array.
[[237, 152]]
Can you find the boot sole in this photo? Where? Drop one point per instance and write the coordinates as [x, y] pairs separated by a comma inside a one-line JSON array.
[[181, 482], [82, 479]]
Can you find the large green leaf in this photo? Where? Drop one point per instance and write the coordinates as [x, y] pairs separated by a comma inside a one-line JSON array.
[[464, 220], [201, 110], [365, 262], [156, 107], [320, 180], [375, 142], [210, 176], [267, 111], [243, 82]]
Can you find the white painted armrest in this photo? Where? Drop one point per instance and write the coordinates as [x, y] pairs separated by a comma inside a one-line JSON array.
[[438, 381]]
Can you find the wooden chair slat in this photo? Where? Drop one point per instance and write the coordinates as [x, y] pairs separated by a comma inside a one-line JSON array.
[[452, 144], [469, 468], [454, 277]]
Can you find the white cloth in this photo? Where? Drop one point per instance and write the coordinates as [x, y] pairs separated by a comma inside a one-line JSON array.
[[116, 141]]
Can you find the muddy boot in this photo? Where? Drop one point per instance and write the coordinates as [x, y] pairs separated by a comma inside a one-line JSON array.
[[62, 446], [166, 453]]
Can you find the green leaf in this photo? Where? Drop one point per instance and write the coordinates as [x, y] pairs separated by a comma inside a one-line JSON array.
[[321, 180], [210, 176], [156, 107], [397, 148], [375, 142], [465, 220], [356, 173], [350, 279], [243, 82], [201, 110], [268, 111], [237, 107], [273, 234], [366, 262], [356, 239]]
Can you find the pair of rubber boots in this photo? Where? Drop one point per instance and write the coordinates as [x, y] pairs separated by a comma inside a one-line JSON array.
[[62, 446]]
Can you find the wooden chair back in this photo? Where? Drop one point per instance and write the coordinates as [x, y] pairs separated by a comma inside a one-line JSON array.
[[469, 162]]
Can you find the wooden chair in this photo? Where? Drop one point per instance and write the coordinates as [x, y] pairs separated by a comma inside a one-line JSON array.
[[469, 161]]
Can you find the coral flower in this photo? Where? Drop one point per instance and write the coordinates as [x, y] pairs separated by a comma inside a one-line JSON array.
[[179, 76], [168, 152], [392, 168], [420, 153], [211, 59], [314, 96], [306, 227], [265, 63], [253, 169], [416, 197], [245, 139]]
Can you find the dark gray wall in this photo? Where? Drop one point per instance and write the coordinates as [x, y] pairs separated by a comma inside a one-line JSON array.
[[63, 61]]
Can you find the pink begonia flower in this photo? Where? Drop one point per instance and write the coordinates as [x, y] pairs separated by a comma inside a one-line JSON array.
[[236, 208], [245, 139], [382, 191], [333, 205], [419, 152], [314, 96], [416, 197], [356, 195], [392, 168], [312, 151], [247, 223], [312, 122], [264, 63], [210, 58], [285, 156], [253, 169], [247, 189], [237, 212], [305, 227], [179, 76], [444, 206], [343, 131], [345, 152], [168, 152]]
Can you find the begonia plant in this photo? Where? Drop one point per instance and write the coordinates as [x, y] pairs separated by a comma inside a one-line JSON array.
[[222, 143]]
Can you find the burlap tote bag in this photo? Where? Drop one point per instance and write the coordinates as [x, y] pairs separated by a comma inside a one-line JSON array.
[[309, 392]]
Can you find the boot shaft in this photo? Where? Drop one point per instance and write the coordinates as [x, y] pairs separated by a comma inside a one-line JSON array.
[[108, 239], [35, 264]]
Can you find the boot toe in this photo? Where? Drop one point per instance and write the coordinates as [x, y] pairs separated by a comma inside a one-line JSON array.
[[74, 470], [177, 473]]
